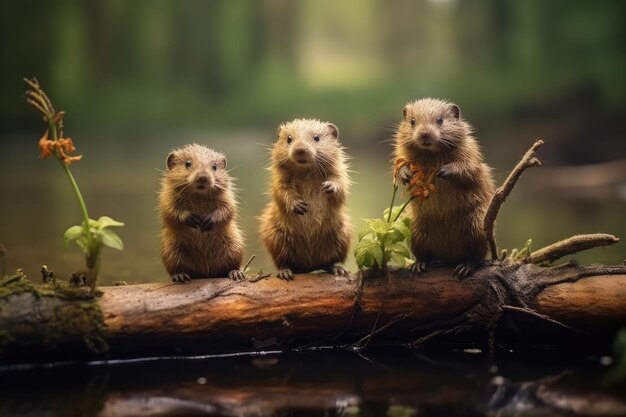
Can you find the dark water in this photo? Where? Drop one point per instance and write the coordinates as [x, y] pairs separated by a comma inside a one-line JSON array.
[[321, 383]]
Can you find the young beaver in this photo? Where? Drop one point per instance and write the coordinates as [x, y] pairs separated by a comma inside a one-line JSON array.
[[198, 210], [448, 225], [305, 225]]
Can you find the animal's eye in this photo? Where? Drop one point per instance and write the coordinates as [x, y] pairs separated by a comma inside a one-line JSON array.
[[214, 167], [413, 121], [289, 139], [188, 163], [439, 120], [316, 138]]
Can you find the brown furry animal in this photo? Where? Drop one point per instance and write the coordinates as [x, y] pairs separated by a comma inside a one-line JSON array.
[[448, 225], [198, 211], [305, 225]]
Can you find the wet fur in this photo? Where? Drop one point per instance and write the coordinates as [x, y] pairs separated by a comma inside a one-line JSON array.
[[320, 237], [188, 250], [448, 225]]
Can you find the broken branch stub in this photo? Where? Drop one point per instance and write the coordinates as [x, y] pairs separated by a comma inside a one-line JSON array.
[[570, 246], [501, 194]]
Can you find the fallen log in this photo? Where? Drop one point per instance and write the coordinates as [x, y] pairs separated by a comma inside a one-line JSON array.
[[510, 304]]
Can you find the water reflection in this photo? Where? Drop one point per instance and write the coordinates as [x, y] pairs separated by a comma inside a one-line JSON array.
[[326, 383]]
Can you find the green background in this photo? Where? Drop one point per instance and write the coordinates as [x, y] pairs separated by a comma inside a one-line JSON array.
[[138, 78]]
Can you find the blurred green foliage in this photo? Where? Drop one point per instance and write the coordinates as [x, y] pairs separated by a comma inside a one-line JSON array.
[[245, 62], [138, 78]]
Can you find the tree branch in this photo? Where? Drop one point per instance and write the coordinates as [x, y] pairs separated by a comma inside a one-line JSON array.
[[501, 194], [570, 246]]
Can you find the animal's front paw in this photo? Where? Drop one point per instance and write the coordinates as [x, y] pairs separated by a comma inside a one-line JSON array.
[[207, 222], [181, 278], [405, 175], [300, 207], [445, 171], [194, 221], [339, 270], [330, 187], [236, 275], [285, 274], [418, 267], [465, 270]]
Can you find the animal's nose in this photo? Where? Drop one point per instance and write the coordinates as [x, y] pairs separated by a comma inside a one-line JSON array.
[[425, 135], [203, 178], [300, 151]]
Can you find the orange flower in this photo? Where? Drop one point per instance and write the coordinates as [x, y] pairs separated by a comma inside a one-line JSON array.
[[46, 146], [420, 186], [60, 148]]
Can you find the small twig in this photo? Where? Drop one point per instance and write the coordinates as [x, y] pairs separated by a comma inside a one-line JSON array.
[[245, 268], [259, 277], [19, 274], [570, 246], [529, 160], [533, 313], [436, 333], [569, 264], [365, 358], [373, 333], [10, 280]]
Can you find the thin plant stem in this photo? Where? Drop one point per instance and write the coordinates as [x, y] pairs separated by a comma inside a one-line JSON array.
[[81, 202], [79, 197], [402, 208], [393, 199]]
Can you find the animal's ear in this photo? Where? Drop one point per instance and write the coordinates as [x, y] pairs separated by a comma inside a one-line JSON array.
[[223, 162], [334, 132], [405, 112], [171, 160], [280, 128], [455, 110]]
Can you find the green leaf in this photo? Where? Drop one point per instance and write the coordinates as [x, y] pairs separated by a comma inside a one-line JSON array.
[[399, 248], [404, 228], [406, 221], [363, 233], [379, 226], [106, 221], [394, 212], [391, 236], [398, 259], [368, 253], [83, 243], [72, 233], [111, 239]]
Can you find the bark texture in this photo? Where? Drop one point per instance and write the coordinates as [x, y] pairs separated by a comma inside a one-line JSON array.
[[519, 304]]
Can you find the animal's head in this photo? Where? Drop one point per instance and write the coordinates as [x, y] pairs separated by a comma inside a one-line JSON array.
[[431, 125], [196, 169], [306, 144]]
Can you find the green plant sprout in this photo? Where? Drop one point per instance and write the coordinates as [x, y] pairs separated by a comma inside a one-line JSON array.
[[517, 255], [91, 234], [387, 240]]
